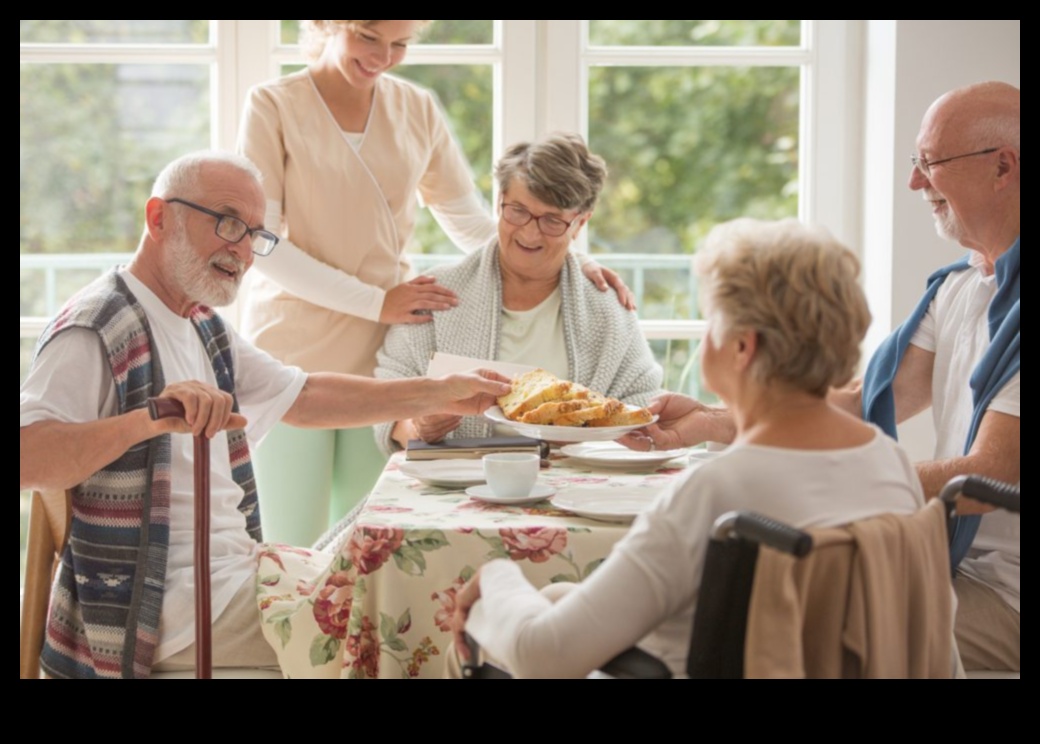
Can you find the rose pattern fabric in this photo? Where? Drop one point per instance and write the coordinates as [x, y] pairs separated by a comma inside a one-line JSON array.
[[535, 544], [333, 603], [371, 547], [383, 605], [363, 648]]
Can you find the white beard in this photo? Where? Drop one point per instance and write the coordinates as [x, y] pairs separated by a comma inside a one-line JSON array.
[[948, 227], [194, 275], [947, 224]]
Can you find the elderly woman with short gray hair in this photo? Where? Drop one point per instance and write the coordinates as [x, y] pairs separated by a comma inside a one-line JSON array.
[[523, 299]]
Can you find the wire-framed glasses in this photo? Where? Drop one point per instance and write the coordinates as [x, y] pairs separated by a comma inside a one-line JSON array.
[[925, 166]]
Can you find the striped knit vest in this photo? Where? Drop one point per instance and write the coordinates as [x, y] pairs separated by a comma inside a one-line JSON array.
[[107, 597]]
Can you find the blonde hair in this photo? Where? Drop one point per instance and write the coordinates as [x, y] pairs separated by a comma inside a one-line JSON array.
[[314, 34], [797, 288], [558, 169]]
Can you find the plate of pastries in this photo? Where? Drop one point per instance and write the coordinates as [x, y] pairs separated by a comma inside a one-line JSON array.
[[543, 406]]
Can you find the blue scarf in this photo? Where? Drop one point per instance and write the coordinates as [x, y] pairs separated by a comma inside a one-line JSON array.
[[996, 368]]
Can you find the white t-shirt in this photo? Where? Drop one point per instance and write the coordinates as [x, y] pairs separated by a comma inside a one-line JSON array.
[[647, 587], [956, 329], [534, 337], [72, 382]]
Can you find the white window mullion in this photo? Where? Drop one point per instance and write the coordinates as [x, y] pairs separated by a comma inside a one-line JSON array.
[[564, 100], [668, 56], [222, 88], [830, 172], [564, 78], [516, 84], [125, 54], [244, 58]]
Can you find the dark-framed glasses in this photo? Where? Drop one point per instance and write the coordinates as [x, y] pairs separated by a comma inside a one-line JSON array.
[[550, 225], [925, 166], [234, 230]]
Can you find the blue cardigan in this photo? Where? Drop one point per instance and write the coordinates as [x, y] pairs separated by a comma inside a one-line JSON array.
[[996, 368]]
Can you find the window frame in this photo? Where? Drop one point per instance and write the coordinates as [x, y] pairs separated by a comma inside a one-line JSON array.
[[552, 93]]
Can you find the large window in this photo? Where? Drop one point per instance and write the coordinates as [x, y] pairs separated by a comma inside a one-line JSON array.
[[699, 121], [698, 126]]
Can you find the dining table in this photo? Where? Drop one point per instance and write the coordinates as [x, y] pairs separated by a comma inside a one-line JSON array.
[[377, 601]]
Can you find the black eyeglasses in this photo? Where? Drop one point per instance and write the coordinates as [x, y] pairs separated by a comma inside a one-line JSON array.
[[234, 230], [925, 166], [550, 225]]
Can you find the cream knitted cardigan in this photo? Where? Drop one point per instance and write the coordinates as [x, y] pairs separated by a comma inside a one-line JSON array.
[[606, 350]]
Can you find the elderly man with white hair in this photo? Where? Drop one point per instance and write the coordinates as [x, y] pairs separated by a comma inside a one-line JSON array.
[[121, 603]]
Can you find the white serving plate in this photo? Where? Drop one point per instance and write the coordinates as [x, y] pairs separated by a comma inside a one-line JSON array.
[[616, 456], [563, 433], [446, 473], [605, 504]]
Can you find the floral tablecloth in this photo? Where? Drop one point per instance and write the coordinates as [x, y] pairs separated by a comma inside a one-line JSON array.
[[378, 603]]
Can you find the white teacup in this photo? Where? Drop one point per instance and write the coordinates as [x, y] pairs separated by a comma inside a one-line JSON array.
[[511, 475]]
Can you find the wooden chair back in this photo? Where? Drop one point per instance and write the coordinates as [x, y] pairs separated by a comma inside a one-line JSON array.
[[50, 515]]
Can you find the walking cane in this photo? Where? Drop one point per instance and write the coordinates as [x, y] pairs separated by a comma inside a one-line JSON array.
[[159, 408]]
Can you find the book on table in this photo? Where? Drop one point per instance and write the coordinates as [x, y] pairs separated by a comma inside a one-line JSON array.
[[473, 449]]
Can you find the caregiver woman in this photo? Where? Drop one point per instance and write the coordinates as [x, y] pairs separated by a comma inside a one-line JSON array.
[[344, 150]]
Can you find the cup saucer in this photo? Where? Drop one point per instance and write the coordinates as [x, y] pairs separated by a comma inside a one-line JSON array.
[[484, 493]]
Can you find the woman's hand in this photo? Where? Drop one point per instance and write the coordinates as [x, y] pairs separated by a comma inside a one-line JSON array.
[[415, 301], [683, 422], [435, 428], [464, 601], [604, 278]]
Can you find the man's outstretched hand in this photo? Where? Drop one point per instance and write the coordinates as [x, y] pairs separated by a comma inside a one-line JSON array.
[[471, 393]]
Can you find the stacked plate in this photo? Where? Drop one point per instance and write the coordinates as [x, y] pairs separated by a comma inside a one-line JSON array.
[[605, 504], [457, 474], [614, 455]]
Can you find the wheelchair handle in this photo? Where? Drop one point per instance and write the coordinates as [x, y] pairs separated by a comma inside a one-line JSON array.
[[984, 489], [763, 530]]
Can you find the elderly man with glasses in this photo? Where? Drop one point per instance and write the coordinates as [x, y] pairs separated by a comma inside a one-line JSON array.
[[958, 353], [122, 602]]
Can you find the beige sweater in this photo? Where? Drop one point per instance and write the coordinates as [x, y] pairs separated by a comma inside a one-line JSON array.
[[352, 209], [872, 600]]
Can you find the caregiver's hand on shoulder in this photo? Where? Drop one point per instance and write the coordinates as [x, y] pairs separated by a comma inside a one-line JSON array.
[[605, 278], [415, 301]]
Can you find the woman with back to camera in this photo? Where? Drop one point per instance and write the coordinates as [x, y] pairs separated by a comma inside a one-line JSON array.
[[345, 149], [786, 317]]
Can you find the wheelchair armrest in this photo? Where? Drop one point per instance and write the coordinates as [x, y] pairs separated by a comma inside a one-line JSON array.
[[634, 663]]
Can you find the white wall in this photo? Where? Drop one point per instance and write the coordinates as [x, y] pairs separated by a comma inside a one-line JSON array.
[[908, 65]]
